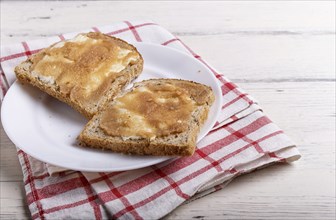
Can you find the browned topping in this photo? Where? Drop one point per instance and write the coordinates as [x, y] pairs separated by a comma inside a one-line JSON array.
[[200, 95], [154, 110], [85, 67]]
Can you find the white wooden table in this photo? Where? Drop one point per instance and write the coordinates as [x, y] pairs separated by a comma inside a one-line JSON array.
[[282, 53]]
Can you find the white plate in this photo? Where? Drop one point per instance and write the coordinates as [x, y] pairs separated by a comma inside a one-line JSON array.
[[47, 129]]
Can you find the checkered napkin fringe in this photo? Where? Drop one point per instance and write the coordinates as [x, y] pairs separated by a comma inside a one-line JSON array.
[[242, 140]]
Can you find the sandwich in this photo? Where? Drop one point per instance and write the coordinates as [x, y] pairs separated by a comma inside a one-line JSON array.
[[85, 72], [154, 117]]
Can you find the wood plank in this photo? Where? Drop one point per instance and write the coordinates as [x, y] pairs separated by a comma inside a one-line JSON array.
[[278, 192], [10, 167], [182, 18], [263, 58], [13, 202]]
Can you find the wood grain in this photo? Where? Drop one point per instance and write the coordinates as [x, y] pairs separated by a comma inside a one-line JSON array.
[[282, 53], [13, 203], [260, 58], [182, 18]]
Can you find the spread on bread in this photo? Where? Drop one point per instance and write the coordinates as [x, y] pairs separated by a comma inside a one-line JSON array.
[[155, 117], [154, 110], [83, 67]]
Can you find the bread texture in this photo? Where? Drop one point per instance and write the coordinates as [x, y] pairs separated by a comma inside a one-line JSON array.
[[175, 144], [25, 73]]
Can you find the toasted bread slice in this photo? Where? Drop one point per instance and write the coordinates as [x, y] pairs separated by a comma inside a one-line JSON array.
[[85, 72], [154, 117]]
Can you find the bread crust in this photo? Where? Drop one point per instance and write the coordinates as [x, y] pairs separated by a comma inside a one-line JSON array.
[[93, 136], [131, 72]]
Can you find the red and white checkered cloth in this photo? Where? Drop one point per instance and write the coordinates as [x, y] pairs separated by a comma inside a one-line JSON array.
[[243, 140]]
